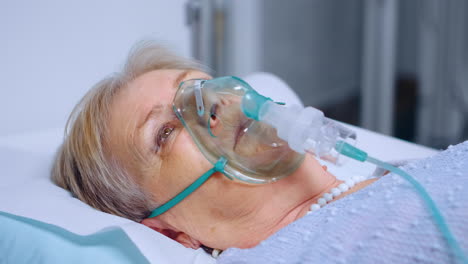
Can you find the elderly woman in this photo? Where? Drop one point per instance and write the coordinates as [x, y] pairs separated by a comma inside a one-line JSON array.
[[127, 153]]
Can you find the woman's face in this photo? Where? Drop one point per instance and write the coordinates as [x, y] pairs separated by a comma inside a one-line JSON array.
[[152, 143]]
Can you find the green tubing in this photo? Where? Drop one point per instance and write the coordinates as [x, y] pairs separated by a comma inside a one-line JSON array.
[[350, 151], [355, 153], [436, 214]]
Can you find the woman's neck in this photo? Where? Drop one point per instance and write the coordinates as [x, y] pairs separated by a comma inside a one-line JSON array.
[[322, 181]]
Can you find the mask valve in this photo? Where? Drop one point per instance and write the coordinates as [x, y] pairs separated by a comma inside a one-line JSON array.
[[305, 129]]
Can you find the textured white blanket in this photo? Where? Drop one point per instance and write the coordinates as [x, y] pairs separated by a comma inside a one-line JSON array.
[[387, 222]]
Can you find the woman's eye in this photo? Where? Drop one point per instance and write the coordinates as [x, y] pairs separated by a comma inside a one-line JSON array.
[[164, 133]]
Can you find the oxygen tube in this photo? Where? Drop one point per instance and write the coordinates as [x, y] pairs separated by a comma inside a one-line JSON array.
[[308, 130], [357, 154]]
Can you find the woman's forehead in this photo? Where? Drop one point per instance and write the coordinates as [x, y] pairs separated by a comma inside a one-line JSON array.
[[139, 97], [132, 105], [153, 88]]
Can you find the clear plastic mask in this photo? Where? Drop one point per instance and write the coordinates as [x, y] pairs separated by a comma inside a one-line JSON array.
[[211, 112]]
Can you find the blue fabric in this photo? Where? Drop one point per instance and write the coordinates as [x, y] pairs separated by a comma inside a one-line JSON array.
[[386, 222], [24, 240]]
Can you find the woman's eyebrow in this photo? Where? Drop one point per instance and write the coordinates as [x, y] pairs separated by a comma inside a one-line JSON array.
[[180, 78], [155, 110]]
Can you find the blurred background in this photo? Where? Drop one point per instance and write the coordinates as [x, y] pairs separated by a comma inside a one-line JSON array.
[[392, 66]]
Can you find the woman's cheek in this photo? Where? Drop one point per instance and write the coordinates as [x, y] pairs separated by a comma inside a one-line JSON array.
[[187, 153]]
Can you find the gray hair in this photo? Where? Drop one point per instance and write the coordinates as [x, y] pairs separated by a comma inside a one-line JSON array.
[[84, 165]]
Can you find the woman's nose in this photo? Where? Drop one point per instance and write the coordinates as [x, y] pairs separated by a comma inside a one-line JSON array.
[[214, 125], [214, 121]]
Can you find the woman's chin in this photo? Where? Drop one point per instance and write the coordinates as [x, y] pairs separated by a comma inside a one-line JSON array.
[[261, 156]]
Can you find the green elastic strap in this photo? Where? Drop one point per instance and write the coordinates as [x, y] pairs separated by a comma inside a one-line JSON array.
[[218, 167]]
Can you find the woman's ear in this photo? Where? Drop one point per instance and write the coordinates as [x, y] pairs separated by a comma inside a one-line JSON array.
[[171, 232]]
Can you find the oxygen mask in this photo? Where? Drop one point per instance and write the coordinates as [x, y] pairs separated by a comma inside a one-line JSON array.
[[211, 112]]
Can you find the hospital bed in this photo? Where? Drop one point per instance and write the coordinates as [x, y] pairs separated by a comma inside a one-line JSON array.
[[30, 201]]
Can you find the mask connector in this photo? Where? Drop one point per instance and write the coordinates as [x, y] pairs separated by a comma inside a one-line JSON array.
[[252, 103]]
